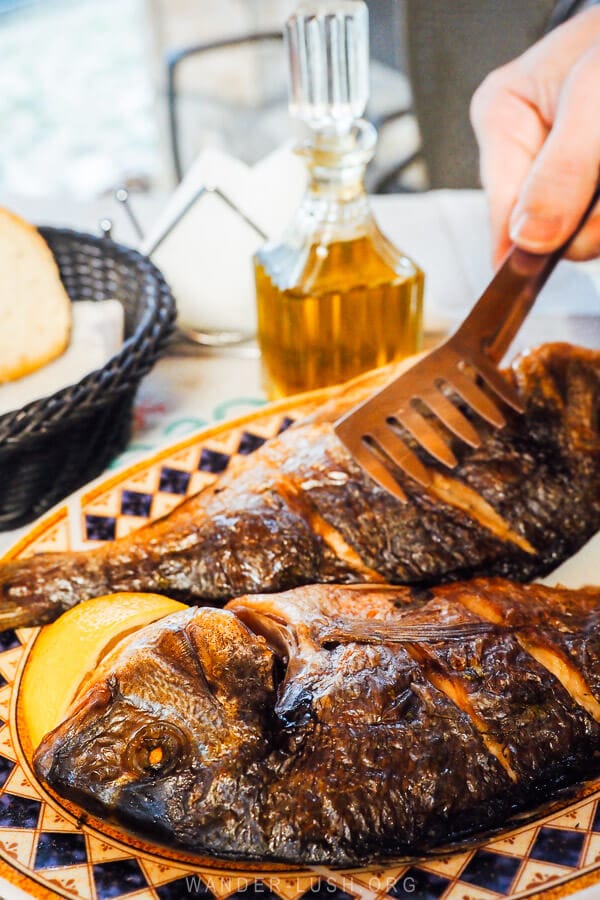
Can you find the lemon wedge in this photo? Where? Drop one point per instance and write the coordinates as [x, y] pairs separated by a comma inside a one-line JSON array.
[[66, 651]]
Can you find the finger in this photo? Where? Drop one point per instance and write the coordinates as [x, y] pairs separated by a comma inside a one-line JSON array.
[[587, 244], [559, 187], [510, 134], [549, 61]]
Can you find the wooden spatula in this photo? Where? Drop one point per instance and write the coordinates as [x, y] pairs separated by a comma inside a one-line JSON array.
[[372, 431]]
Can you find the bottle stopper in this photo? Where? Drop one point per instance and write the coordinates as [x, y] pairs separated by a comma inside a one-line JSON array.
[[328, 49]]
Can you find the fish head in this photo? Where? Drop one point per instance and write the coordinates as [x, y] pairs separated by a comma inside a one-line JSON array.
[[159, 737]]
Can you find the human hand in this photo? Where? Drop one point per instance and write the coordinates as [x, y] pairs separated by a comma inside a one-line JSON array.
[[537, 121]]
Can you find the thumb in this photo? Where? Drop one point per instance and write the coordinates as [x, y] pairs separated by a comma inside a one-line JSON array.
[[566, 170]]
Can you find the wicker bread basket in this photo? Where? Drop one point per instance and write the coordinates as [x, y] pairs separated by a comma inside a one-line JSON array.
[[54, 445]]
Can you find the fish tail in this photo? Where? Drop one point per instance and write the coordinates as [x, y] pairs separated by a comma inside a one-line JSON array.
[[36, 591]]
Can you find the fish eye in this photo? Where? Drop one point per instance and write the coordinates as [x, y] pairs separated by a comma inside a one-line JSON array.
[[156, 749]]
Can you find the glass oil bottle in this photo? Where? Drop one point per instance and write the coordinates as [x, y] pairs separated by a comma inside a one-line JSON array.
[[335, 297]]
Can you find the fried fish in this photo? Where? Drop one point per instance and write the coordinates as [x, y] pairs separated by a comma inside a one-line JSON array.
[[338, 724], [299, 510]]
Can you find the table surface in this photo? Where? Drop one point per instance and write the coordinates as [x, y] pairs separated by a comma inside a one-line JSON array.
[[446, 232]]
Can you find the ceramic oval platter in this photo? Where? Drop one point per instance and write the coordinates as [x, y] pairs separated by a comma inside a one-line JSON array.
[[47, 851]]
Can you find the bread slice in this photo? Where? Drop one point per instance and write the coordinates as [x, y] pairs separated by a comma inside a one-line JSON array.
[[35, 309]]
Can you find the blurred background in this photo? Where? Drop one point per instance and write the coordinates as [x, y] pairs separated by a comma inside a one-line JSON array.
[[97, 93]]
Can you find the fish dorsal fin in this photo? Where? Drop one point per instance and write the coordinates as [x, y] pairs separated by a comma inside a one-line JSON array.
[[373, 632]]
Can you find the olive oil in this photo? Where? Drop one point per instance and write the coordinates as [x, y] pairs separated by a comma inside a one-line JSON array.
[[334, 296], [351, 312]]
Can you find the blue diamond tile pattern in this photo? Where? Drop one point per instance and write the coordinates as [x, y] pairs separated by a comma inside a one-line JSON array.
[[8, 640], [249, 443], [213, 461], [55, 850], [173, 481], [285, 424], [492, 871], [135, 503], [18, 812], [100, 528], [418, 883], [122, 876], [6, 767], [555, 845]]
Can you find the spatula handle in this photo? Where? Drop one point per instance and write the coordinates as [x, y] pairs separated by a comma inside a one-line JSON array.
[[497, 316]]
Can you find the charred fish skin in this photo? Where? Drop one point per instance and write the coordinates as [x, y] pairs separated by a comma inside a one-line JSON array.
[[271, 730], [300, 510]]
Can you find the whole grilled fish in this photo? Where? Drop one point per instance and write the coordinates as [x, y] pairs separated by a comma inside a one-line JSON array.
[[299, 510], [338, 724]]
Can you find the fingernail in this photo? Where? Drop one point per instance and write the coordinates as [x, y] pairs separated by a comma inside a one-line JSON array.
[[535, 231]]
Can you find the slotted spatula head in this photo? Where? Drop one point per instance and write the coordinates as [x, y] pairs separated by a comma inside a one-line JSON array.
[[420, 407], [414, 405]]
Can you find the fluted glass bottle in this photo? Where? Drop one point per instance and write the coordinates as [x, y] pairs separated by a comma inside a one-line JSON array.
[[335, 297]]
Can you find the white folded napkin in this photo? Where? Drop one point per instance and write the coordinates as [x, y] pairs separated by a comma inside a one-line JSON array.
[[96, 335], [207, 257]]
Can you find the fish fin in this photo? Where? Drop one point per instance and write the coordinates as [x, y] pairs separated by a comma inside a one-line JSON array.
[[370, 632]]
